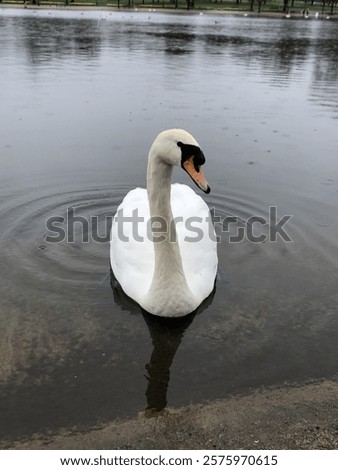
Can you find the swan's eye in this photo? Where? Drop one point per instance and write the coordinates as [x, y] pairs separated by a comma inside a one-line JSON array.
[[192, 152], [199, 158]]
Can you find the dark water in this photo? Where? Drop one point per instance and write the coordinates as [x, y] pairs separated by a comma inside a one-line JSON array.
[[82, 98]]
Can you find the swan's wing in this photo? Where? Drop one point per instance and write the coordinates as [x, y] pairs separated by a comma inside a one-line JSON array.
[[131, 251], [196, 238]]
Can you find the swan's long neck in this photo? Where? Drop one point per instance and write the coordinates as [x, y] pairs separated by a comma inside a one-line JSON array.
[[159, 188], [169, 285], [168, 261]]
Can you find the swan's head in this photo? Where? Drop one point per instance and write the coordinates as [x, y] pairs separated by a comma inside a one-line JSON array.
[[177, 147]]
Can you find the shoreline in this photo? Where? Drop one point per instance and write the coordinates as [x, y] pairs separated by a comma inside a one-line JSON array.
[[292, 417], [178, 11]]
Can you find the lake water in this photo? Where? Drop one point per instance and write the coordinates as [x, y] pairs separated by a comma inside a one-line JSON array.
[[82, 97]]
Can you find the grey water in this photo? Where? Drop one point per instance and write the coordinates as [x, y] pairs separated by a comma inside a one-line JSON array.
[[82, 96]]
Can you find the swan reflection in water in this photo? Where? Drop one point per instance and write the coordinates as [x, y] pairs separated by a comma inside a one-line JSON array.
[[166, 335]]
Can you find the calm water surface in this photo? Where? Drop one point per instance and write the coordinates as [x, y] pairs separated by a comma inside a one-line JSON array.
[[82, 97]]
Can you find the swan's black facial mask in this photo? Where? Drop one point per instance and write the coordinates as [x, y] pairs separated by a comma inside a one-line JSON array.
[[191, 161], [192, 151]]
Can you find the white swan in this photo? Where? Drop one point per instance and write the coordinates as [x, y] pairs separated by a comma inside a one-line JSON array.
[[167, 259]]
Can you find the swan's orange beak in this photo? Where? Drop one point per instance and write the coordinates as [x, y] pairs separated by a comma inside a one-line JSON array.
[[197, 176]]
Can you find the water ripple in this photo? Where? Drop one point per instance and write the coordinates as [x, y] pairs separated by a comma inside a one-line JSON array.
[[27, 255]]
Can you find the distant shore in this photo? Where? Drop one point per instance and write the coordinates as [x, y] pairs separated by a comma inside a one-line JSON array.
[[167, 10]]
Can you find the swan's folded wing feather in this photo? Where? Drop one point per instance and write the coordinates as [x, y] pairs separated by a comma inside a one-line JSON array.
[[196, 238], [132, 260]]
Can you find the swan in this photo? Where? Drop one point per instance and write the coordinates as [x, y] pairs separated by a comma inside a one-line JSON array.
[[163, 244]]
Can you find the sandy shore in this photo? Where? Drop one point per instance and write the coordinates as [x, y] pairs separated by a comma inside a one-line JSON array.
[[298, 417]]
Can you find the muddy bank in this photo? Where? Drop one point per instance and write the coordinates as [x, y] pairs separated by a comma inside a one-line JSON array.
[[298, 417]]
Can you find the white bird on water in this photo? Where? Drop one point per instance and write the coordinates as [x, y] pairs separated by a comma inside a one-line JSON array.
[[167, 262]]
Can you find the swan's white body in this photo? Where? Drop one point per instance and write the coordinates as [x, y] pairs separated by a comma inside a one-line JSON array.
[[168, 269]]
